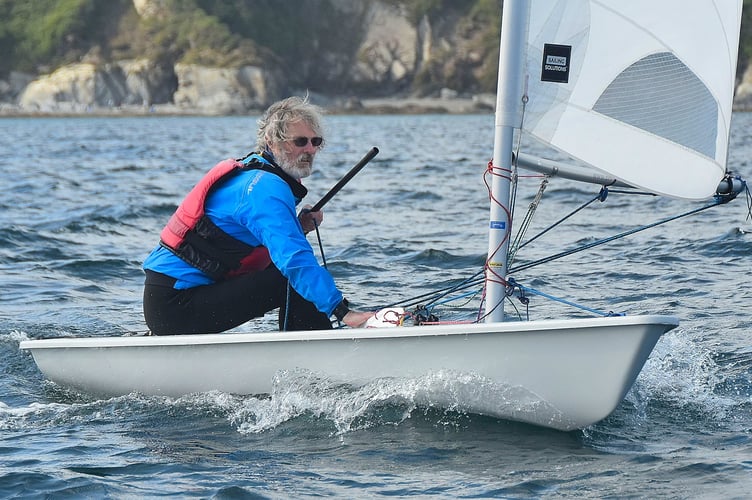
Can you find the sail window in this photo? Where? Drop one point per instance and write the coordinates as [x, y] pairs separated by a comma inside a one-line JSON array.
[[661, 95]]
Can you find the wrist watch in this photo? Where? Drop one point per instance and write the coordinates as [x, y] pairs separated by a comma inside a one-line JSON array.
[[341, 309]]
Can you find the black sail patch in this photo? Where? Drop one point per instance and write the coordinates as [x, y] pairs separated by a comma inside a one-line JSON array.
[[555, 64]]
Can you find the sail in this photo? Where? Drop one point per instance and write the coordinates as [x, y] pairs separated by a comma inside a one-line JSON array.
[[639, 89]]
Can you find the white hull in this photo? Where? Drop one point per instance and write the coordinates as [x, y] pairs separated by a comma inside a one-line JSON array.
[[560, 374]]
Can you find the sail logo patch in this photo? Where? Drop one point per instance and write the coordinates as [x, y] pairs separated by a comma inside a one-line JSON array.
[[498, 224], [556, 63]]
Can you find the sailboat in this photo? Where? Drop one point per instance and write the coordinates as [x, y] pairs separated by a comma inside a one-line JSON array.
[[620, 87]]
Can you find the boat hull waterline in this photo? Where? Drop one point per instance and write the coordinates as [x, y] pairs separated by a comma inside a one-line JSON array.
[[562, 374]]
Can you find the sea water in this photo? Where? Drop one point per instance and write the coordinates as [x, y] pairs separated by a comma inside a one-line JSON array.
[[83, 200]]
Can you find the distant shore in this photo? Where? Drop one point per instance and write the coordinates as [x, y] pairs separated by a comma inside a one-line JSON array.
[[379, 106], [376, 106]]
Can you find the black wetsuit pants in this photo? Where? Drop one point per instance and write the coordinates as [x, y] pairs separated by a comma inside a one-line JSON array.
[[227, 304]]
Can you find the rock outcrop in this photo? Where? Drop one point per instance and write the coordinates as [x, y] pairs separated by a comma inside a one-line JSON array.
[[224, 90], [86, 85], [390, 48]]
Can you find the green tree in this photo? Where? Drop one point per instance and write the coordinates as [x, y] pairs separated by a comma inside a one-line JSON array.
[[49, 32]]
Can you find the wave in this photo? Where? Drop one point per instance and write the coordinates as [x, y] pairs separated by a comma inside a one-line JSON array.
[[679, 379]]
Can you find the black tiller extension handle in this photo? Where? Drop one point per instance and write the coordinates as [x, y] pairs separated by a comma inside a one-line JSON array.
[[344, 180]]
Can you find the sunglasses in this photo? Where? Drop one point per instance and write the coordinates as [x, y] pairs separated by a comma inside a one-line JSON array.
[[302, 141]]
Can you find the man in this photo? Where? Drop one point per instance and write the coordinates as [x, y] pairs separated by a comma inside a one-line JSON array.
[[236, 248]]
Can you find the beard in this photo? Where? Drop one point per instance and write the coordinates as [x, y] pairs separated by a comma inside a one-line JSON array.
[[298, 167]]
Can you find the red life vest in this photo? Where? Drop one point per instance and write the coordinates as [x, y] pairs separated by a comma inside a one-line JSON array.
[[193, 237]]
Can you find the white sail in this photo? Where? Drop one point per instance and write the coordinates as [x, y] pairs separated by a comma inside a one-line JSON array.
[[646, 92]]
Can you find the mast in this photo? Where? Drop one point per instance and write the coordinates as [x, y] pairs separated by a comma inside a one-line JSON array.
[[509, 93]]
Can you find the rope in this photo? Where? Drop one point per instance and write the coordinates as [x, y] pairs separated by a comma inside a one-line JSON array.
[[321, 245], [323, 256], [525, 225], [432, 299], [610, 239], [497, 171], [523, 290], [599, 197]]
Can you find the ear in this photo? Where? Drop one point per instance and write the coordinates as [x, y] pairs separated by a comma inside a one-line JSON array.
[[270, 145]]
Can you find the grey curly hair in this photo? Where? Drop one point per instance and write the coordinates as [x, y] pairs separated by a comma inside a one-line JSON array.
[[272, 126]]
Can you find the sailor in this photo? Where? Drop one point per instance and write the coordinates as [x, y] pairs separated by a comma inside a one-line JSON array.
[[236, 248]]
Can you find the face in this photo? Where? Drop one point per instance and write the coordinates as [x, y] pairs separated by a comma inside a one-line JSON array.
[[296, 161]]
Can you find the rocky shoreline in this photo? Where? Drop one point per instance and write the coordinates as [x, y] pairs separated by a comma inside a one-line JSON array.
[[377, 106], [381, 106], [141, 88], [477, 104]]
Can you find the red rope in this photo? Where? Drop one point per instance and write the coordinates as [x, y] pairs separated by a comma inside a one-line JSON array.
[[491, 275]]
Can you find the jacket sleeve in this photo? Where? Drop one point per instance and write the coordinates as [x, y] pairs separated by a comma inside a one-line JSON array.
[[268, 210]]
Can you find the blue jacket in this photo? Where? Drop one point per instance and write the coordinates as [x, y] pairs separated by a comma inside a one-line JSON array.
[[258, 208]]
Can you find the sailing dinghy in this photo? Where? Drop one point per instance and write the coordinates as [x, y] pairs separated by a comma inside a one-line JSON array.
[[621, 87]]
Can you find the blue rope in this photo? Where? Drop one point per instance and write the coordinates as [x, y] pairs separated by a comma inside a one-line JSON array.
[[513, 284], [435, 303]]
